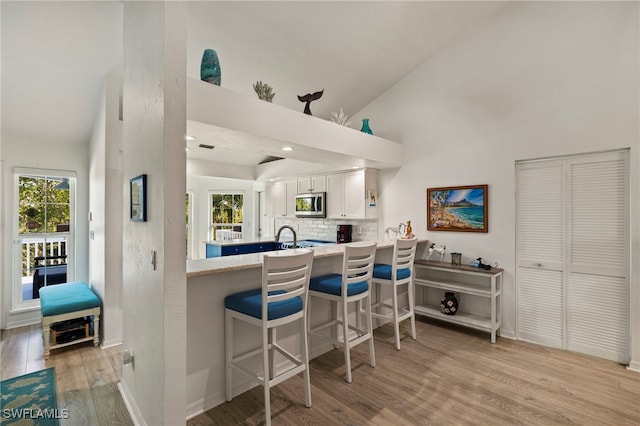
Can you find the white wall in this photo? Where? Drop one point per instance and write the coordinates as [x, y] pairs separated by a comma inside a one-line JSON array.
[[537, 79], [106, 210], [154, 129], [18, 151]]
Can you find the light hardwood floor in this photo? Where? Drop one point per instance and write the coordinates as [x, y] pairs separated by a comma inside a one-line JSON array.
[[86, 376], [450, 375]]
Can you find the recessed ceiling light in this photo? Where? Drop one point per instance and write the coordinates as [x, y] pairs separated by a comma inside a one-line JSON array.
[[190, 138], [355, 167], [287, 148], [186, 148]]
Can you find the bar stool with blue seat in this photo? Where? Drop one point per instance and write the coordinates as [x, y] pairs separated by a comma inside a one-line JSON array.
[[398, 273], [281, 300], [352, 285]]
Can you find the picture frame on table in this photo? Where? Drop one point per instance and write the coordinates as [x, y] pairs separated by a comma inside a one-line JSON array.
[[138, 198], [458, 208]]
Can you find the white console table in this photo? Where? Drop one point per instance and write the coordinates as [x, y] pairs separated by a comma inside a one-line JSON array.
[[460, 279]]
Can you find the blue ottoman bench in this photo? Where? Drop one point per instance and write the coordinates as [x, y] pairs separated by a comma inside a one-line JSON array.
[[63, 302]]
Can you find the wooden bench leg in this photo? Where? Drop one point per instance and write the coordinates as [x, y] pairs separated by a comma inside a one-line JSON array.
[[96, 327], [46, 329]]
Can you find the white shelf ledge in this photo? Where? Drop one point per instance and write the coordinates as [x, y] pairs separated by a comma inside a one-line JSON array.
[[462, 318], [236, 121]]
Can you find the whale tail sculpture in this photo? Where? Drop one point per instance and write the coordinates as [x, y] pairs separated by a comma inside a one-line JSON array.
[[308, 98]]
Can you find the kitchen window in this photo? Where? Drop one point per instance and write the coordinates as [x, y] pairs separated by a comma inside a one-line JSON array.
[[227, 215]]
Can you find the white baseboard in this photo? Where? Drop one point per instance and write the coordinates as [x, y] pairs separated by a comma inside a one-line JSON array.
[[111, 343], [130, 403], [634, 366], [21, 323]]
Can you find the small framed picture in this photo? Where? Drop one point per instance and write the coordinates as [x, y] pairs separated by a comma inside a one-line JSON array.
[[138, 203], [457, 208]]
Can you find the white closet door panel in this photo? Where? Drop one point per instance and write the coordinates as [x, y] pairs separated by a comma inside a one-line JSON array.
[[598, 316], [599, 235], [540, 216], [540, 306], [598, 256]]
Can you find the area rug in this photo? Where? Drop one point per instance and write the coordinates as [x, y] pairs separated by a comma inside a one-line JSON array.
[[30, 400]]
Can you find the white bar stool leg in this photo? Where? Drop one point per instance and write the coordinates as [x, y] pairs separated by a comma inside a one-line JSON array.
[[304, 350], [345, 336], [265, 374], [412, 309], [396, 323], [229, 353], [372, 355]]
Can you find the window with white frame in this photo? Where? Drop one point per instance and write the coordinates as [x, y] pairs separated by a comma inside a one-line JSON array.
[[227, 215], [44, 229]]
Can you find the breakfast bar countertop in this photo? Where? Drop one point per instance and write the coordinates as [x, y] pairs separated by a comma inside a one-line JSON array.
[[216, 265]]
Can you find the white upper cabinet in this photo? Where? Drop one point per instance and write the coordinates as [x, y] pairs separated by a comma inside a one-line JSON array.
[[312, 184], [352, 195], [281, 198]]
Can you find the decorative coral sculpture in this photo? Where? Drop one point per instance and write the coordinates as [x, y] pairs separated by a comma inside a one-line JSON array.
[[264, 91], [340, 118]]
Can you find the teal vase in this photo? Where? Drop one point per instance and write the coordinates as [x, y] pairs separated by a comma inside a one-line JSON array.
[[365, 126], [210, 67]]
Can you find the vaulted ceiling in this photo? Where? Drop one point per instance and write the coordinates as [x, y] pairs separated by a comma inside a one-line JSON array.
[[55, 55]]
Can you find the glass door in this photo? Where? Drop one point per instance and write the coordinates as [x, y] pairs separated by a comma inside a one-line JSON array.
[[44, 229]]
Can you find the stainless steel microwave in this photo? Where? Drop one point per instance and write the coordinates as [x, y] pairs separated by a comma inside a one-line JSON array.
[[311, 205]]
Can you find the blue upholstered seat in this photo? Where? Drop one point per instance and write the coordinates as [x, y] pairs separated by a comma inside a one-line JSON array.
[[383, 271], [332, 284], [69, 297], [250, 303]]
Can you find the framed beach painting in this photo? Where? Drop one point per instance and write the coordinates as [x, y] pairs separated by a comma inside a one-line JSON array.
[[457, 208]]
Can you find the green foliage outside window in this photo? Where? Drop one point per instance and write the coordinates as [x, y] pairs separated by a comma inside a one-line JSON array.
[[42, 208], [227, 211]]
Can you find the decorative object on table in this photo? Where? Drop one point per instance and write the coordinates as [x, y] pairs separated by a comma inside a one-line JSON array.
[[365, 126], [308, 98], [341, 118], [478, 264], [210, 67], [434, 248], [264, 91], [457, 208], [408, 231], [449, 303], [31, 399], [138, 199], [456, 259]]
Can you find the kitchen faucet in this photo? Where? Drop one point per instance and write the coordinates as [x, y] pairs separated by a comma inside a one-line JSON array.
[[295, 237]]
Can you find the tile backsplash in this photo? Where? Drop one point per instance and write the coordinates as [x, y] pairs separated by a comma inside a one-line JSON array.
[[325, 229]]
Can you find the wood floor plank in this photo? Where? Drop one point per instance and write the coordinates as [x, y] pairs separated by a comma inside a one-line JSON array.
[[86, 376], [449, 375]]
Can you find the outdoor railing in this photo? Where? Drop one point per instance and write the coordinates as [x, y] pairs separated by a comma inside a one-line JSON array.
[[228, 235], [33, 247]]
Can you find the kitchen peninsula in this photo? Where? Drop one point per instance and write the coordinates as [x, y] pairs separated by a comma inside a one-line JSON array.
[[209, 281]]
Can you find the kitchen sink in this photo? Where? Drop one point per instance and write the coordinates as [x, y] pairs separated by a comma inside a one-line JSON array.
[[304, 244]]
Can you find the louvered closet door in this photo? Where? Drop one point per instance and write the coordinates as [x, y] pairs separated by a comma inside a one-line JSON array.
[[572, 253], [598, 256], [539, 252]]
